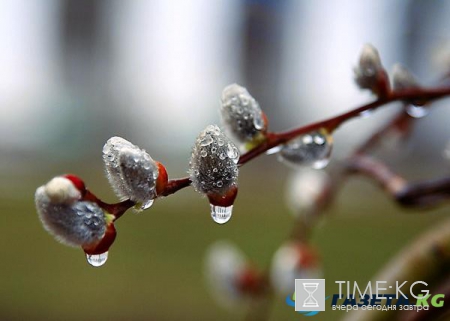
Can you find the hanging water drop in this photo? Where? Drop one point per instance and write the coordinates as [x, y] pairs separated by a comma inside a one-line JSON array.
[[147, 204], [417, 111], [221, 214], [97, 260], [312, 149]]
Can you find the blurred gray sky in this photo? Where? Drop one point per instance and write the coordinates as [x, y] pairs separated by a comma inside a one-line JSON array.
[[74, 73]]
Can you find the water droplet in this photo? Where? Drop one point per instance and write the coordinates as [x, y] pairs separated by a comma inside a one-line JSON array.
[[313, 149], [417, 111], [233, 153], [220, 142], [244, 100], [215, 170], [222, 156], [147, 204], [369, 71], [96, 221], [203, 153], [274, 150], [258, 121], [97, 259], [219, 184], [221, 214], [207, 140], [366, 113]]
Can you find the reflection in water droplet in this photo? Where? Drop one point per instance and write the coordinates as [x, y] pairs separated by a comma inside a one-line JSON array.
[[312, 149], [147, 204], [274, 150], [207, 140], [233, 153], [258, 120], [97, 259], [366, 113], [221, 214], [417, 111]]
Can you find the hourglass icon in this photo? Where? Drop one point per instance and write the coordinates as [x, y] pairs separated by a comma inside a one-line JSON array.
[[310, 301]]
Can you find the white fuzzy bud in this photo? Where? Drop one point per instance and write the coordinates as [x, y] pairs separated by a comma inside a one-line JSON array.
[[402, 78], [223, 265], [293, 261], [131, 171], [305, 188], [213, 165], [241, 114], [61, 190], [368, 68], [74, 223]]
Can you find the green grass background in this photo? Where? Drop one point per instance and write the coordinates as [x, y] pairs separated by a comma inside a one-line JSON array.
[[154, 271]]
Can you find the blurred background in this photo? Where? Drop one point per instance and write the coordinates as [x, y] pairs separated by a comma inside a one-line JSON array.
[[74, 73]]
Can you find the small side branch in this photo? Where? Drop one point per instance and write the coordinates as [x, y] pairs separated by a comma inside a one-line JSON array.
[[412, 195]]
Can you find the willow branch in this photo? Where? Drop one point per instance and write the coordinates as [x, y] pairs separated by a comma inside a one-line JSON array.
[[275, 139], [417, 195], [424, 260]]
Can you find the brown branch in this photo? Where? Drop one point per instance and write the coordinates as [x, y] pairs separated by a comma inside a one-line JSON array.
[[425, 194], [417, 195], [425, 259], [117, 209], [275, 139], [174, 185], [381, 173]]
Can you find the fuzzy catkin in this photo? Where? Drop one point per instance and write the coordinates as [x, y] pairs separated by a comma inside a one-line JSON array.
[[131, 171], [76, 224], [241, 114], [368, 68], [213, 165]]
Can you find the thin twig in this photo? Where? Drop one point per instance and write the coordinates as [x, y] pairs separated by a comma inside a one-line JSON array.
[[275, 139]]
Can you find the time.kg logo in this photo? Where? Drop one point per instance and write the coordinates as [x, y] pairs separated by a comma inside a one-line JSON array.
[[309, 294]]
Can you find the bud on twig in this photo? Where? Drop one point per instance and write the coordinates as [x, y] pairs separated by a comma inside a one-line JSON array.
[[293, 261], [403, 79], [132, 173], [370, 74], [72, 220], [229, 276], [306, 188], [214, 171], [242, 116]]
